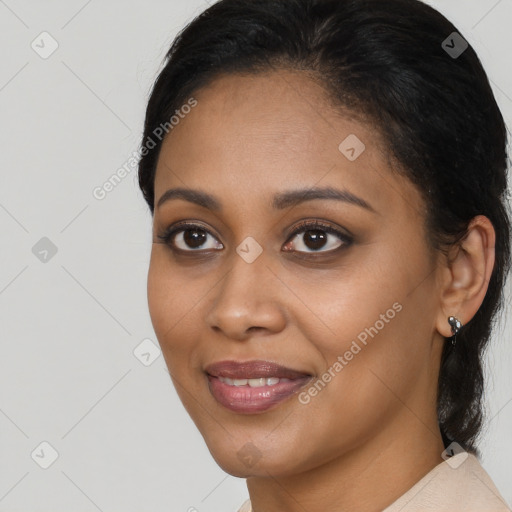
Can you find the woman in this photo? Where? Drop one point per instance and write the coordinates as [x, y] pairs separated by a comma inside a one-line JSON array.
[[327, 181]]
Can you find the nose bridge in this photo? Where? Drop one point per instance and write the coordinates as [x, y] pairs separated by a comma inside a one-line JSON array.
[[246, 298]]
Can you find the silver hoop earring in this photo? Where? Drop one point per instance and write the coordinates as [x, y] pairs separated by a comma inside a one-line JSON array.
[[456, 326]]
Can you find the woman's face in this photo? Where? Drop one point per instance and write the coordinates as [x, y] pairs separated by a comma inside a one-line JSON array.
[[349, 305]]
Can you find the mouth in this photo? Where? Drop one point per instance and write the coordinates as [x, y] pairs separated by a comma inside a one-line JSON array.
[[253, 386]]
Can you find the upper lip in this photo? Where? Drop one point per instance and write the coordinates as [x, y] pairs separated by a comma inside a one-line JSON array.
[[252, 370]]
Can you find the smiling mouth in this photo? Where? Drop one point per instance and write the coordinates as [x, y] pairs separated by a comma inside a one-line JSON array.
[[253, 383], [251, 387]]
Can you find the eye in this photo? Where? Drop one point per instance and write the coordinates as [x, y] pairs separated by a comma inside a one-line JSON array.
[[315, 235], [188, 237]]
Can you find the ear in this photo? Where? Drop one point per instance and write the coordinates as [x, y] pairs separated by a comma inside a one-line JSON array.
[[466, 274]]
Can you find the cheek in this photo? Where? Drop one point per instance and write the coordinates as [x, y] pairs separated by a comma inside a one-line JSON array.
[[173, 303], [161, 297], [379, 317], [172, 300]]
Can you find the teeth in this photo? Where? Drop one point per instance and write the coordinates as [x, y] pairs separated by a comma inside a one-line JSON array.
[[257, 383], [253, 383]]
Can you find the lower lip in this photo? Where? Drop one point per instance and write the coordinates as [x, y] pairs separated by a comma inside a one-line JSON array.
[[247, 400]]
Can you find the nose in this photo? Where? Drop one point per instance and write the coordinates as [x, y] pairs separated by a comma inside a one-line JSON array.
[[248, 299]]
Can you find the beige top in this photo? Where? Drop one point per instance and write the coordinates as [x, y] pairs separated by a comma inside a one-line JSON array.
[[458, 484]]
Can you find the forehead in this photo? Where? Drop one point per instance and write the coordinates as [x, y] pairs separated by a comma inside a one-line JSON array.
[[278, 108], [257, 134]]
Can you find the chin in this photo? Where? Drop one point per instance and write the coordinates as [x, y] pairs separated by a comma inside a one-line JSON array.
[[236, 466], [242, 458]]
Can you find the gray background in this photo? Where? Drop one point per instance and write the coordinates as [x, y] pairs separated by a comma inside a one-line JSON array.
[[70, 323]]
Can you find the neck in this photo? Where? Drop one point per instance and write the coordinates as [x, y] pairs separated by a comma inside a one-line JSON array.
[[368, 478]]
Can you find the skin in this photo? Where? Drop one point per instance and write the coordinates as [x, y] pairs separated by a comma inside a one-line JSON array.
[[372, 432]]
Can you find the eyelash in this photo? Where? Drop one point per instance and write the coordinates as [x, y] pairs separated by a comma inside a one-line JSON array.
[[167, 236]]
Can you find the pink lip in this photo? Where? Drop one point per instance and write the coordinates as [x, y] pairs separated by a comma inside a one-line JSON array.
[[247, 400], [255, 369]]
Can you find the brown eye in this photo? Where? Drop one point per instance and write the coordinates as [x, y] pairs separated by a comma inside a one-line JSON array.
[[194, 238], [314, 237], [190, 238]]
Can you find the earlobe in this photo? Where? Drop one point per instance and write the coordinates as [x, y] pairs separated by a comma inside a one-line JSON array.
[[468, 270]]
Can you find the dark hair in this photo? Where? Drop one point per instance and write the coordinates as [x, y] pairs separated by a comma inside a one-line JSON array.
[[435, 111]]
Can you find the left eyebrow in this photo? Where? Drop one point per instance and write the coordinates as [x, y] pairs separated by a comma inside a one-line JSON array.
[[292, 197], [280, 201]]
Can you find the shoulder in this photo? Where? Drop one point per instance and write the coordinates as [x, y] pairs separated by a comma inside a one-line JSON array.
[[457, 484], [246, 507]]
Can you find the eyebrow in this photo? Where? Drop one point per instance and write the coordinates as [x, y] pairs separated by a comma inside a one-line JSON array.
[[280, 201]]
